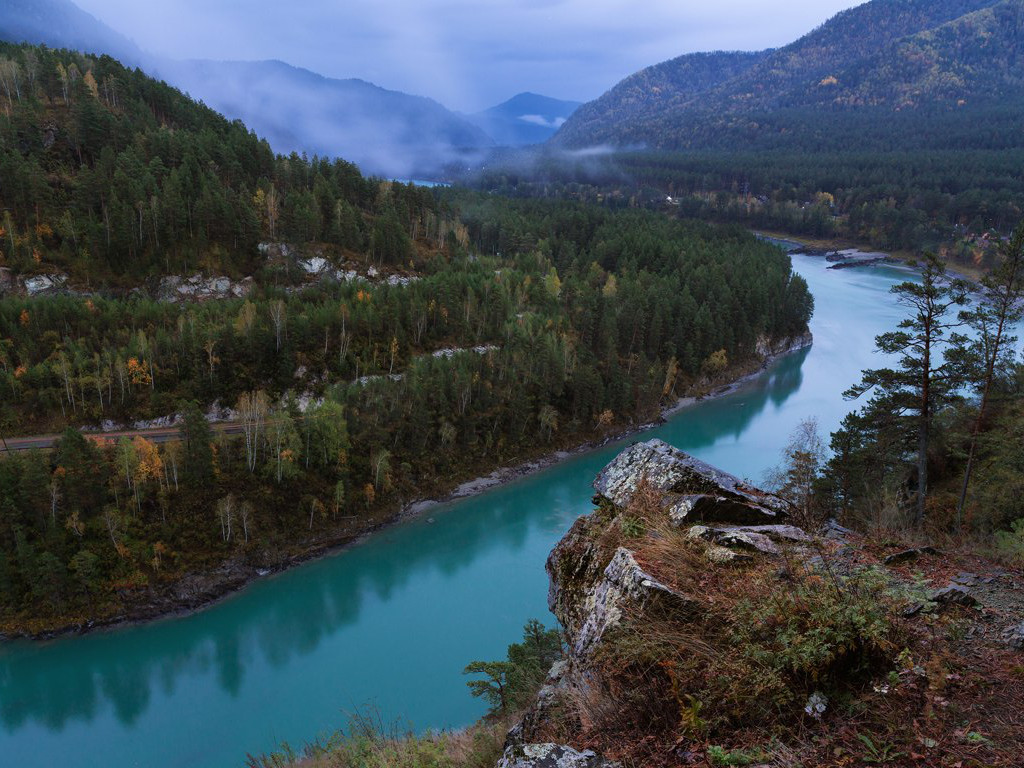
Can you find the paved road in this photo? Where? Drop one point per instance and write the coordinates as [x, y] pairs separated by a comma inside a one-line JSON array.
[[158, 435]]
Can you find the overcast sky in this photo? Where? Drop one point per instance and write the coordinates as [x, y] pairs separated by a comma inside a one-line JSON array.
[[468, 54]]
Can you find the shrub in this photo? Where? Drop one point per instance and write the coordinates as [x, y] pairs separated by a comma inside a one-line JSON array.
[[762, 641]]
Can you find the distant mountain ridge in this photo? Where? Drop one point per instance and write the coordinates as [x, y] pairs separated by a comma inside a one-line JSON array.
[[880, 58], [296, 110], [388, 133], [526, 118]]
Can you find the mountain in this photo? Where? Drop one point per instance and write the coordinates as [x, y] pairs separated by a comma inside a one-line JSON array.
[[62, 24], [653, 92], [884, 66], [527, 118], [384, 132]]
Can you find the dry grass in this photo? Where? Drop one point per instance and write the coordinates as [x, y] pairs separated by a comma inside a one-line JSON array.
[[369, 742], [727, 685]]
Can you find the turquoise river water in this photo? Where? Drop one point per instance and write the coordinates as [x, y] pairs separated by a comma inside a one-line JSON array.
[[390, 624]]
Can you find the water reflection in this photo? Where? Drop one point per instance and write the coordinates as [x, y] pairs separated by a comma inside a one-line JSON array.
[[283, 617], [291, 615]]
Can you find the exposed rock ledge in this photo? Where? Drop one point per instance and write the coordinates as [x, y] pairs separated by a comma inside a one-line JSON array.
[[692, 489], [198, 288], [592, 590]]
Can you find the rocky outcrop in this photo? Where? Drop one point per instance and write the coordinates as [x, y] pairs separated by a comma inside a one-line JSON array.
[[595, 587], [46, 285], [623, 585], [177, 289], [692, 490], [316, 266], [590, 589], [769, 349], [551, 756]]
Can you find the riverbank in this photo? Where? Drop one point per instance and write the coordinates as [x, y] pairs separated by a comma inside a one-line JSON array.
[[199, 591], [817, 247]]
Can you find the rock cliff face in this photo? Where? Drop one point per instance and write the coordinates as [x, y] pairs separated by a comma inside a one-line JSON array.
[[593, 586], [767, 349]]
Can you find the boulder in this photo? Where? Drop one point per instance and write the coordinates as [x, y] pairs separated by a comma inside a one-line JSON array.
[[954, 594], [691, 490], [735, 537], [909, 554], [551, 756], [45, 285]]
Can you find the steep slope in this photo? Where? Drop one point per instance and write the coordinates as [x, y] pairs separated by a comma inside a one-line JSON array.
[[870, 56], [62, 24], [527, 118], [651, 93], [977, 56], [384, 132], [852, 36]]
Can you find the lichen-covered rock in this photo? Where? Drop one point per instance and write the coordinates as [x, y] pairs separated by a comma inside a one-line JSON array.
[[46, 285], [551, 756], [735, 537], [539, 712], [692, 490], [625, 586], [788, 533]]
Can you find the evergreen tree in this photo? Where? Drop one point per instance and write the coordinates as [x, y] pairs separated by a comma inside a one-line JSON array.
[[196, 436], [998, 311], [924, 379]]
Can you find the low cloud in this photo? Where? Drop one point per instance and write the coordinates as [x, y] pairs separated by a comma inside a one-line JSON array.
[[542, 121], [465, 53]]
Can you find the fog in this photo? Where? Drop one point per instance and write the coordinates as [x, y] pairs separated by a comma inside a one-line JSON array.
[[467, 54]]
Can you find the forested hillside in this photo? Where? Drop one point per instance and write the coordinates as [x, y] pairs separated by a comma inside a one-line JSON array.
[[442, 333], [892, 54]]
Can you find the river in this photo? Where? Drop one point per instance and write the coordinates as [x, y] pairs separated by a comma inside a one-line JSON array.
[[390, 624]]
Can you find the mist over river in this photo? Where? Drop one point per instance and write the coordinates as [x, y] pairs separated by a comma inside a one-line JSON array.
[[390, 624]]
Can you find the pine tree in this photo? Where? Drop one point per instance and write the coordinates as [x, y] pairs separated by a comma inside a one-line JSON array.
[[924, 379]]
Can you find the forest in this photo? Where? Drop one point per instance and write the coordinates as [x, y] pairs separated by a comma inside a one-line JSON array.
[[911, 201], [517, 327]]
